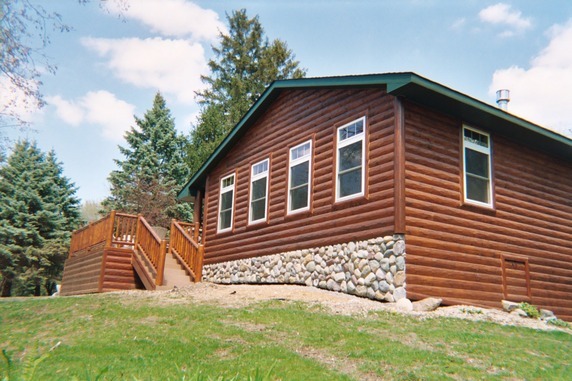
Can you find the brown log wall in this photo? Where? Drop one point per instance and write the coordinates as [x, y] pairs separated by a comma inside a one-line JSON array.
[[455, 251], [297, 116], [99, 269], [82, 271]]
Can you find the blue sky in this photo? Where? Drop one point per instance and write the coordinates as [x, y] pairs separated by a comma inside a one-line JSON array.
[[110, 67]]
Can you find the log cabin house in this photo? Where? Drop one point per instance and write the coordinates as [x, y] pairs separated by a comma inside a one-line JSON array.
[[389, 186]]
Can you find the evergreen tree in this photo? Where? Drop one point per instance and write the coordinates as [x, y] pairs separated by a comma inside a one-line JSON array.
[[154, 168], [244, 64], [38, 211]]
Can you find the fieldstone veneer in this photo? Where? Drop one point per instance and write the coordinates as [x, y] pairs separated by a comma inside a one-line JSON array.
[[374, 268]]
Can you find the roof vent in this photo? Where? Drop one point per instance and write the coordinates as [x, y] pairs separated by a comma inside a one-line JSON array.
[[503, 97]]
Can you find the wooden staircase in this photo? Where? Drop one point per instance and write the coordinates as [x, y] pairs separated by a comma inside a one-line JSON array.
[[175, 274], [146, 260]]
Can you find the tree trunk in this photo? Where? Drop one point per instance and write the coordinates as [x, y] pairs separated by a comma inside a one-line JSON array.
[[6, 287]]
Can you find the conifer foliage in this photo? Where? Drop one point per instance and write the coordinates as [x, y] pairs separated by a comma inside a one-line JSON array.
[[38, 212], [153, 169], [244, 64]]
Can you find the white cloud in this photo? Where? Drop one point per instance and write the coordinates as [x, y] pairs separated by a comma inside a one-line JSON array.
[[176, 18], [171, 66], [541, 93], [503, 15], [101, 108], [69, 111]]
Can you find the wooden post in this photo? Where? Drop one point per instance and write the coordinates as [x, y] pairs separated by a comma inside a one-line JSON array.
[[111, 226], [161, 264], [171, 234], [137, 228], [197, 207], [197, 227], [199, 269]]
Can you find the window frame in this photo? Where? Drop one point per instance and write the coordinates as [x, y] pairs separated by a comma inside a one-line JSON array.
[[293, 163], [223, 190], [253, 178], [346, 142], [488, 151]]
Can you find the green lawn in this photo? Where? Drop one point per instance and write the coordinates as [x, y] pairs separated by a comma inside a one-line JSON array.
[[113, 337]]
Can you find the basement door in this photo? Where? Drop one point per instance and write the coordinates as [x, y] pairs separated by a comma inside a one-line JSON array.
[[515, 278]]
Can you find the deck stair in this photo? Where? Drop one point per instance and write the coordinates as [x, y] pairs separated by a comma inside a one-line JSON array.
[[175, 274], [147, 260]]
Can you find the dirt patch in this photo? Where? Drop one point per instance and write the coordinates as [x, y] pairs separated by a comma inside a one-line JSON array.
[[238, 296]]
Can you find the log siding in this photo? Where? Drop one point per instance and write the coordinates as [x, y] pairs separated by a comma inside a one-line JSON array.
[[298, 116], [455, 250]]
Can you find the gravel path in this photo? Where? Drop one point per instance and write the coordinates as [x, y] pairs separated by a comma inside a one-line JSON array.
[[237, 296]]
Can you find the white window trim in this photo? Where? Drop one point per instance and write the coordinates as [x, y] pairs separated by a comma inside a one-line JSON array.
[[253, 178], [293, 163], [224, 190], [485, 150], [347, 142]]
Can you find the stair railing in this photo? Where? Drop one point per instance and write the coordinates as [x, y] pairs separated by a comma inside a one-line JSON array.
[[186, 247], [148, 243]]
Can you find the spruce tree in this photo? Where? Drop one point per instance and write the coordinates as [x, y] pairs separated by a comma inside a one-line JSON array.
[[153, 169], [38, 211], [244, 64]]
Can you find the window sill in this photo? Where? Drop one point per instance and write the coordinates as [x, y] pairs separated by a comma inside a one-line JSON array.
[[257, 224], [223, 233], [490, 210], [296, 215], [350, 202]]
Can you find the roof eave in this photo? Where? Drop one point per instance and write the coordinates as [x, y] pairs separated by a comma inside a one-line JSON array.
[[410, 86]]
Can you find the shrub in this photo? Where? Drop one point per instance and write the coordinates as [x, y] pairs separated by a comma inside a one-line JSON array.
[[530, 310]]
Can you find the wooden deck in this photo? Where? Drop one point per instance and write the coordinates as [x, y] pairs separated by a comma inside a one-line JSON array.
[[123, 252]]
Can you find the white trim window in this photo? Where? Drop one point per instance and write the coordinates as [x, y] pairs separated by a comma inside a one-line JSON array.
[[350, 160], [477, 167], [299, 177], [226, 203], [258, 191]]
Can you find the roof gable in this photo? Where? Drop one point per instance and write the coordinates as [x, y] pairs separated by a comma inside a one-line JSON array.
[[409, 86]]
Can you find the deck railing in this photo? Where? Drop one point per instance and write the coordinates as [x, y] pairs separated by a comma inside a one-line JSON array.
[[184, 244], [127, 230], [193, 230], [115, 229], [148, 243]]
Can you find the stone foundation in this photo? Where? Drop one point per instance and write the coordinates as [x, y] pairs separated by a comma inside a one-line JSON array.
[[374, 268]]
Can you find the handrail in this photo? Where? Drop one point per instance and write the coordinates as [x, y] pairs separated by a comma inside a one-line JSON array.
[[193, 229], [186, 248], [148, 243], [115, 229]]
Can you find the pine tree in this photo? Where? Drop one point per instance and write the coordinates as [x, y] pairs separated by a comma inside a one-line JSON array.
[[153, 170], [244, 64], [38, 211]]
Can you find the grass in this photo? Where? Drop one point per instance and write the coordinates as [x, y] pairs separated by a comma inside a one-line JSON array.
[[114, 337]]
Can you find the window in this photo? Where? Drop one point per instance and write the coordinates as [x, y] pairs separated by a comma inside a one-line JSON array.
[[350, 165], [477, 167], [299, 177], [225, 203], [258, 191]]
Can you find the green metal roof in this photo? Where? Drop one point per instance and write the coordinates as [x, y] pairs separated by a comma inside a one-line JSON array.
[[409, 86]]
